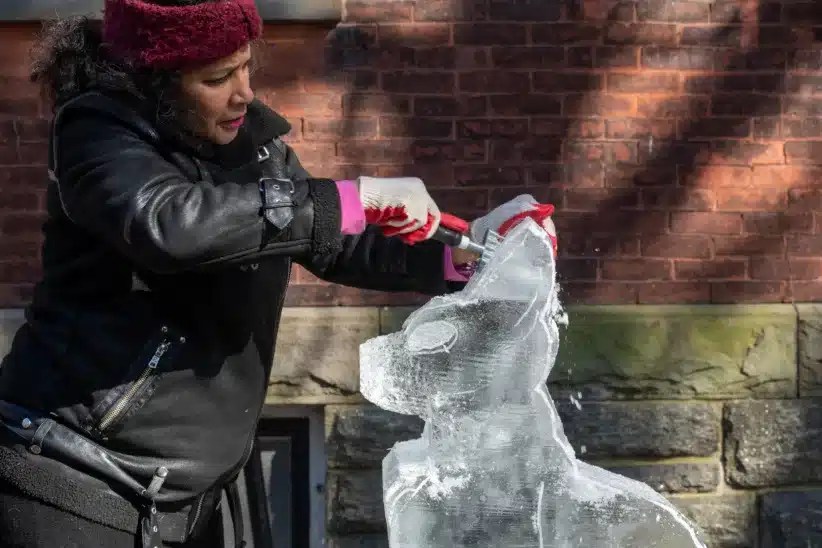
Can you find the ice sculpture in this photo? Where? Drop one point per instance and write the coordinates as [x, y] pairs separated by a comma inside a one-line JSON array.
[[493, 467]]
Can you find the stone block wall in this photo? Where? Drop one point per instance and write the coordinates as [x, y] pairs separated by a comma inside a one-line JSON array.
[[714, 406]]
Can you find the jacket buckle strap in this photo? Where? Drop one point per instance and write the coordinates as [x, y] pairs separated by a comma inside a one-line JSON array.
[[277, 197], [36, 446], [263, 154], [149, 529]]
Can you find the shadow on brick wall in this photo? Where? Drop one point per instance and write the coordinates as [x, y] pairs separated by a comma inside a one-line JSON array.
[[627, 116]]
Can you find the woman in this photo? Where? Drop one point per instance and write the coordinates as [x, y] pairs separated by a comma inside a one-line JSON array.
[[130, 397]]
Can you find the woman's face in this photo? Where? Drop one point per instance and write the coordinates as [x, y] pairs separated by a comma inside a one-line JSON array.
[[216, 97]]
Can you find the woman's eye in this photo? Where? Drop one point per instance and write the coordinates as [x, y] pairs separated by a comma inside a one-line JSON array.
[[217, 81]]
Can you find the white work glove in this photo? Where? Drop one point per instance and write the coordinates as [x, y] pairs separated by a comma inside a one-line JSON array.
[[503, 218], [400, 206]]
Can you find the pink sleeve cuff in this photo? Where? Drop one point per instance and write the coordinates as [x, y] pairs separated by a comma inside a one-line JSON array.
[[352, 215], [451, 273]]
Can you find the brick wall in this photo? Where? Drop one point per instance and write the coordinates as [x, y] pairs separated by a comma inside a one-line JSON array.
[[680, 140]]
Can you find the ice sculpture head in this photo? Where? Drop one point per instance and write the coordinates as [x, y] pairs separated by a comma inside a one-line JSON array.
[[473, 349]]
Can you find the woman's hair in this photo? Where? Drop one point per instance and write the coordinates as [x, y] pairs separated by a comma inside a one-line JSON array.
[[69, 59]]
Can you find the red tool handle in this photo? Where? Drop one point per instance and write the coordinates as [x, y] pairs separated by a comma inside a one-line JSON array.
[[454, 223]]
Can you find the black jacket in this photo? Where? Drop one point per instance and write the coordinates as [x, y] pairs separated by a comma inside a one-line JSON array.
[[165, 266]]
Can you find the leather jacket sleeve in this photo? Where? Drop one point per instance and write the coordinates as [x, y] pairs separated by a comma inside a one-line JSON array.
[[116, 184], [372, 261]]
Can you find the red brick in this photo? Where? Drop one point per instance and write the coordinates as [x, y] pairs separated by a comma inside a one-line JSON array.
[[19, 106], [786, 176], [525, 104], [577, 269], [706, 223], [707, 128], [528, 57], [624, 57], [551, 81], [448, 10], [23, 178], [742, 153], [8, 154], [33, 153], [461, 105], [674, 292], [678, 199], [661, 57], [724, 269], [599, 293], [19, 271], [673, 10], [599, 246], [494, 82], [442, 57], [777, 222], [347, 35], [545, 175], [802, 128], [747, 199], [804, 84], [621, 152], [417, 127], [767, 128], [609, 220], [32, 129], [454, 199], [802, 13], [416, 35], [805, 199], [808, 59], [641, 34], [712, 35], [487, 34], [488, 176], [584, 174], [642, 82], [591, 199], [804, 152], [506, 128], [676, 246], [542, 194], [742, 104], [805, 291], [636, 269], [524, 10], [766, 59], [304, 104], [373, 152], [749, 245], [786, 269], [747, 292], [370, 11], [585, 151], [581, 57], [334, 129], [418, 82], [19, 201], [577, 128], [716, 176], [531, 149], [767, 83], [425, 151], [566, 33], [25, 224], [597, 104], [635, 128], [805, 244], [630, 175], [358, 104], [434, 174], [692, 106], [26, 249]]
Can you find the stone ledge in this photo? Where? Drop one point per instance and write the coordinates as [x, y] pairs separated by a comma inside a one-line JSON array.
[[772, 443], [727, 521], [810, 350], [791, 519]]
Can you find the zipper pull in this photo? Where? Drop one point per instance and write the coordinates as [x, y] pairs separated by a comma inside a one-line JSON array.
[[158, 353]]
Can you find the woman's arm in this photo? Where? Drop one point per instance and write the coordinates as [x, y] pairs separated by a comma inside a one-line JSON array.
[[114, 183], [370, 260]]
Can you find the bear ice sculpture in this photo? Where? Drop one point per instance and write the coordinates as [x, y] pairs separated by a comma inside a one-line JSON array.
[[493, 467]]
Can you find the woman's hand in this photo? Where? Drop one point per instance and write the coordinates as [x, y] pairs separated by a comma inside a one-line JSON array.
[[401, 206], [503, 218]]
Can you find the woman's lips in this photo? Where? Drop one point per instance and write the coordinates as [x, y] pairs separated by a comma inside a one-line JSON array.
[[235, 123]]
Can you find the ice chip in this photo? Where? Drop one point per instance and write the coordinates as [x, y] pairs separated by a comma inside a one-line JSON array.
[[493, 467]]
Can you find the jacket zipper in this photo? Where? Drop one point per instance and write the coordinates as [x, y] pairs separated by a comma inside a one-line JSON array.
[[123, 403]]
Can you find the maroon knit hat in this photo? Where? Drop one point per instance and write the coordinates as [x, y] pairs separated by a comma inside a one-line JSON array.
[[174, 37]]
